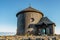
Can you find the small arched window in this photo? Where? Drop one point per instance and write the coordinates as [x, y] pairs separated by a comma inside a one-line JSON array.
[[32, 19]]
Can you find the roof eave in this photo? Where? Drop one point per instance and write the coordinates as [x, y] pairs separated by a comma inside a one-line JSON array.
[[27, 11]]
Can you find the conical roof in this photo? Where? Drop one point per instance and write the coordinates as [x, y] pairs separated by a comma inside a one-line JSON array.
[[29, 9]]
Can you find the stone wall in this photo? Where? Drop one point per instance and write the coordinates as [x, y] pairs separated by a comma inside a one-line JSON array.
[[29, 37], [20, 24], [28, 19], [25, 19]]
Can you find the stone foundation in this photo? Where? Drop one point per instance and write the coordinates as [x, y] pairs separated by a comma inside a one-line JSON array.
[[29, 37]]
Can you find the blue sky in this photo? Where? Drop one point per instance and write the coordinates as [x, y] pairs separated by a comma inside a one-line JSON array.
[[9, 9]]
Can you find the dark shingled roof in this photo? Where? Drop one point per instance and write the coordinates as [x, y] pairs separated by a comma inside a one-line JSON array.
[[29, 9], [46, 21]]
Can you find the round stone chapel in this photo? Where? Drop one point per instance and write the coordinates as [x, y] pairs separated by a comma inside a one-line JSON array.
[[32, 21]]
